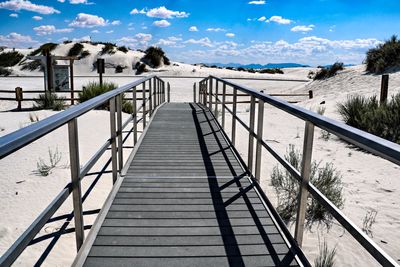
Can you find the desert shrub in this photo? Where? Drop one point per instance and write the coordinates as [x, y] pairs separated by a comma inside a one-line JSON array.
[[75, 50], [67, 42], [119, 69], [32, 65], [94, 89], [108, 48], [230, 68], [251, 71], [325, 178], [326, 257], [166, 61], [9, 59], [154, 56], [325, 73], [50, 100], [384, 56], [366, 114], [42, 48], [43, 168], [123, 49], [5, 71], [85, 53], [140, 68], [272, 71], [241, 69]]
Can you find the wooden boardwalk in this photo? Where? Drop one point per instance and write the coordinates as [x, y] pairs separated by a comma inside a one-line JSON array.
[[185, 200]]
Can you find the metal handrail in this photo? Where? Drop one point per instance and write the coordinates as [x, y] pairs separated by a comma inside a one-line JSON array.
[[21, 138], [368, 142]]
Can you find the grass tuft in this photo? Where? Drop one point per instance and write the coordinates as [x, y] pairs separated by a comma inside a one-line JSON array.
[[50, 100], [326, 72], [326, 257], [384, 56]]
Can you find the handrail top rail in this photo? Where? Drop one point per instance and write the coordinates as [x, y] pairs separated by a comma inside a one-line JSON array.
[[22, 137], [371, 143]]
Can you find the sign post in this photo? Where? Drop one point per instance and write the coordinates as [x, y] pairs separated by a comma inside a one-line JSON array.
[[100, 69]]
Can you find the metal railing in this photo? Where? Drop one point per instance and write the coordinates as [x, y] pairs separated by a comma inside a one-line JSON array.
[[23, 137], [209, 89]]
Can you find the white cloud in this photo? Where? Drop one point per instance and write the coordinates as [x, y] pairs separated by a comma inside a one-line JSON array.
[[110, 31], [95, 31], [83, 20], [259, 2], [171, 41], [263, 18], [216, 30], [230, 35], [16, 40], [303, 28], [116, 22], [50, 29], [61, 1], [161, 13], [193, 29], [82, 39], [37, 18], [17, 5], [75, 2], [279, 20], [161, 23], [140, 40], [203, 42], [14, 15]]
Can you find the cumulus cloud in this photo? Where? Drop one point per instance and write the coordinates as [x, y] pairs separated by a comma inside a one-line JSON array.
[[263, 18], [50, 29], [16, 40], [193, 29], [216, 30], [279, 20], [171, 41], [75, 2], [303, 28], [14, 15], [230, 35], [37, 18], [17, 5], [140, 40], [116, 22], [161, 13], [203, 42], [82, 39], [260, 2], [161, 23], [83, 20]]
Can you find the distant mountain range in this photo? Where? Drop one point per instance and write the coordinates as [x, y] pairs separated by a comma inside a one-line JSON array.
[[258, 66]]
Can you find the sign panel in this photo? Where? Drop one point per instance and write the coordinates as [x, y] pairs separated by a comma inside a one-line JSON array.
[[61, 77], [100, 66]]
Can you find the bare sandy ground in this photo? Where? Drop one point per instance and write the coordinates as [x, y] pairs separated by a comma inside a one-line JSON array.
[[369, 182]]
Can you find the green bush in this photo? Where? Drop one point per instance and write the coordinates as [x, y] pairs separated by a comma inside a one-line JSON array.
[[50, 100], [32, 65], [272, 71], [366, 114], [42, 48], [94, 89], [155, 56], [108, 48], [384, 56], [75, 50], [325, 178], [123, 49], [119, 69], [9, 59], [5, 71], [84, 54], [325, 73], [166, 61], [140, 68]]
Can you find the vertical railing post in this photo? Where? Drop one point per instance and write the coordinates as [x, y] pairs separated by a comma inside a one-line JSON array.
[[158, 92], [210, 96], [216, 100], [155, 92], [223, 104], [134, 114], [119, 133], [234, 107], [305, 178], [260, 126], [199, 95], [169, 92], [144, 105], [194, 93], [150, 100], [205, 92], [113, 140], [251, 136], [76, 183]]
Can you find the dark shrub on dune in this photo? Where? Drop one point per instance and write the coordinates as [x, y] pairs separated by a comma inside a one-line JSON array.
[[42, 48], [384, 57], [75, 50], [155, 56], [5, 71], [32, 65], [327, 72], [123, 49], [272, 71], [9, 59], [108, 49]]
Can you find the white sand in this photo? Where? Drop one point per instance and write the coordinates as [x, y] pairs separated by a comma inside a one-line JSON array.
[[369, 182]]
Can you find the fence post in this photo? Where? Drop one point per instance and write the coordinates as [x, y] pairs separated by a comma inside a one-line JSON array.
[[144, 105], [169, 92], [119, 132], [305, 177], [194, 93], [134, 116], [199, 95], [205, 92], [234, 107], [223, 104], [72, 87], [150, 100], [260, 128], [251, 137], [384, 88], [210, 95], [113, 140], [76, 183], [19, 97], [310, 94], [216, 100]]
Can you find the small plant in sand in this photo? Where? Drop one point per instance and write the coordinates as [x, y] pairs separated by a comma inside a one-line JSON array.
[[326, 257], [326, 72], [33, 117], [50, 100], [324, 177], [368, 221], [324, 134], [43, 168]]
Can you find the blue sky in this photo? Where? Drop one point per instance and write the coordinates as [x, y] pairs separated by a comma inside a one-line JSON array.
[[241, 31]]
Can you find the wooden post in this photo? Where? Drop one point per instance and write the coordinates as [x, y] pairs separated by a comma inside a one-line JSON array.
[[150, 100], [19, 97], [71, 74], [194, 93], [134, 108], [49, 70], [384, 88], [169, 92], [113, 133], [100, 69], [144, 105], [310, 94]]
